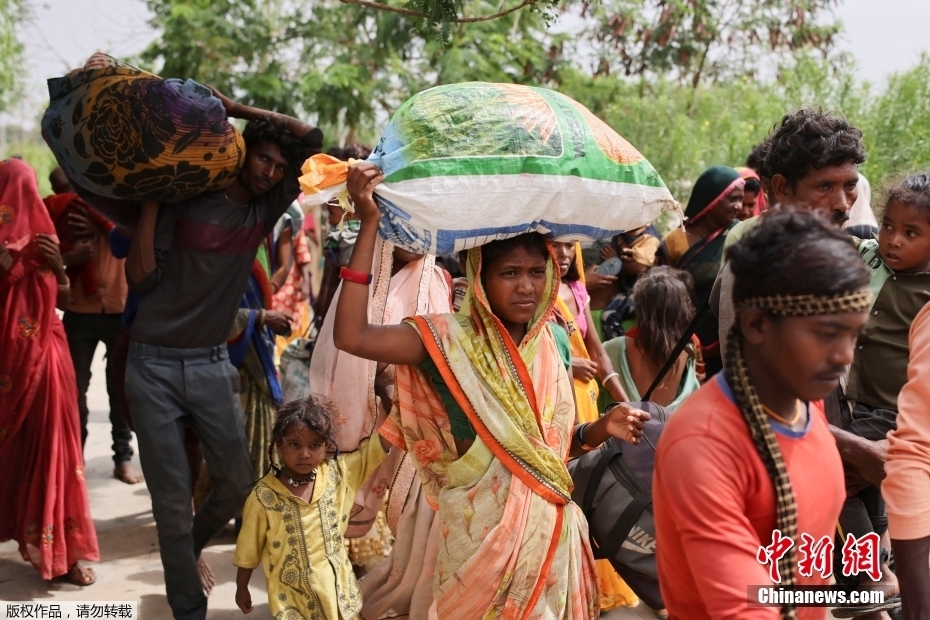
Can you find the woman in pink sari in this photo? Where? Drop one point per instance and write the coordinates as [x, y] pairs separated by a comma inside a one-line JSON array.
[[42, 492]]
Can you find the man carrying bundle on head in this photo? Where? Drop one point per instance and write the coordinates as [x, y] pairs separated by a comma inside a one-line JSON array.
[[191, 262]]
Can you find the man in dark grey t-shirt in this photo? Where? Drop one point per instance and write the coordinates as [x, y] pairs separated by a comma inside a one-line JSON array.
[[190, 263]]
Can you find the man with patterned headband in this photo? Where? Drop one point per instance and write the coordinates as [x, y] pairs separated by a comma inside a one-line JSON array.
[[811, 161], [748, 462]]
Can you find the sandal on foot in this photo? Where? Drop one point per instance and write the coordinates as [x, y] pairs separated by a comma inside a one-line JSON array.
[[81, 575]]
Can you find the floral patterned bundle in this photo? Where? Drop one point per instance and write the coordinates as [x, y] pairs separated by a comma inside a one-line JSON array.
[[123, 135]]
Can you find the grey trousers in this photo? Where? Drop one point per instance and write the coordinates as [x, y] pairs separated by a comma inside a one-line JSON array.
[[165, 387]]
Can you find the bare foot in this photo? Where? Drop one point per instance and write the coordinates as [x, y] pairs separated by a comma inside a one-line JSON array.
[[81, 575], [207, 579], [127, 473]]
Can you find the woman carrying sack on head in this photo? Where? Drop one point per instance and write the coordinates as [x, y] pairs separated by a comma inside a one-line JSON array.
[[749, 457], [494, 384]]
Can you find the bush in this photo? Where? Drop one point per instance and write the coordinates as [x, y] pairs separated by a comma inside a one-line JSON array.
[[682, 131]]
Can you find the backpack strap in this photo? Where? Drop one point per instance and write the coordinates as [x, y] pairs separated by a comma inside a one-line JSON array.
[[624, 524], [597, 473]]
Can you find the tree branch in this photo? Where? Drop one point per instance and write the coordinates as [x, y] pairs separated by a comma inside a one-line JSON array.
[[461, 20]]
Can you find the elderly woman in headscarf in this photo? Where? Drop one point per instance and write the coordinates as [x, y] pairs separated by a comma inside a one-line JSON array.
[[715, 203]]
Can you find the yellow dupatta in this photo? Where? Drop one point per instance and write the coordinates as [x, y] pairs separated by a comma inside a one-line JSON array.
[[614, 591], [512, 544], [586, 392]]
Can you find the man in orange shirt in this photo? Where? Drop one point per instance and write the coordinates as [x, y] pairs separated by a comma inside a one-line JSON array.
[[751, 452], [98, 294]]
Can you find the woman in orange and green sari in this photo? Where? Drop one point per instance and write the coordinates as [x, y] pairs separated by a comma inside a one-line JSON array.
[[484, 405]]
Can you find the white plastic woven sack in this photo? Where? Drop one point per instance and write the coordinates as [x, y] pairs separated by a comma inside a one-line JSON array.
[[469, 163]]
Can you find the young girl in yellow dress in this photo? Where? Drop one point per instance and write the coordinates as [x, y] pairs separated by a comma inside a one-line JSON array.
[[295, 517]]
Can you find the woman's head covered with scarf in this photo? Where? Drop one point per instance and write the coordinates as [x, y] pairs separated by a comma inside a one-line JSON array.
[[22, 216], [754, 196], [709, 196], [796, 279], [512, 281]]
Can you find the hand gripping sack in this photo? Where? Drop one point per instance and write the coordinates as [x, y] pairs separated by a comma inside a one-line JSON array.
[[469, 163], [123, 135], [613, 487]]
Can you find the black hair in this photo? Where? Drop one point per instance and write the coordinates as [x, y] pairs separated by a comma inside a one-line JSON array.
[[792, 252], [756, 157], [912, 190], [573, 274], [787, 253], [315, 414], [531, 242], [350, 151], [663, 307], [295, 150], [810, 139], [753, 185]]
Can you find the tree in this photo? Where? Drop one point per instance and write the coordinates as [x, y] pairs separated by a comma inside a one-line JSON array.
[[443, 14], [13, 14], [345, 65], [694, 40], [238, 46]]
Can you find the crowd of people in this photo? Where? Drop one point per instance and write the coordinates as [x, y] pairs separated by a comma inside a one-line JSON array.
[[418, 466]]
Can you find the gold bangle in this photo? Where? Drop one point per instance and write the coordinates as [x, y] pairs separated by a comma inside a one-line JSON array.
[[64, 287]]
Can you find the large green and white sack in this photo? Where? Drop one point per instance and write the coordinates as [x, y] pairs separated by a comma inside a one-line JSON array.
[[469, 163]]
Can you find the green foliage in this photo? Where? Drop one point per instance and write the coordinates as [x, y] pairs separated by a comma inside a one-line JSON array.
[[689, 40], [349, 67], [235, 45], [13, 14], [439, 13], [682, 131], [35, 153], [897, 128]]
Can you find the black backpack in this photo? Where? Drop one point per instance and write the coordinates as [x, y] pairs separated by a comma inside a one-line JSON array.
[[618, 504]]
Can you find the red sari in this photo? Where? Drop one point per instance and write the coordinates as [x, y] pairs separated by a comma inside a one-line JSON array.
[[42, 489]]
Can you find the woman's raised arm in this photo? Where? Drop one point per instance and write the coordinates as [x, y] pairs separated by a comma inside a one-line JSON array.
[[352, 333]]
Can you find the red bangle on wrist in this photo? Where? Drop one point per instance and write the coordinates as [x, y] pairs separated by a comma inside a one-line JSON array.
[[359, 277]]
